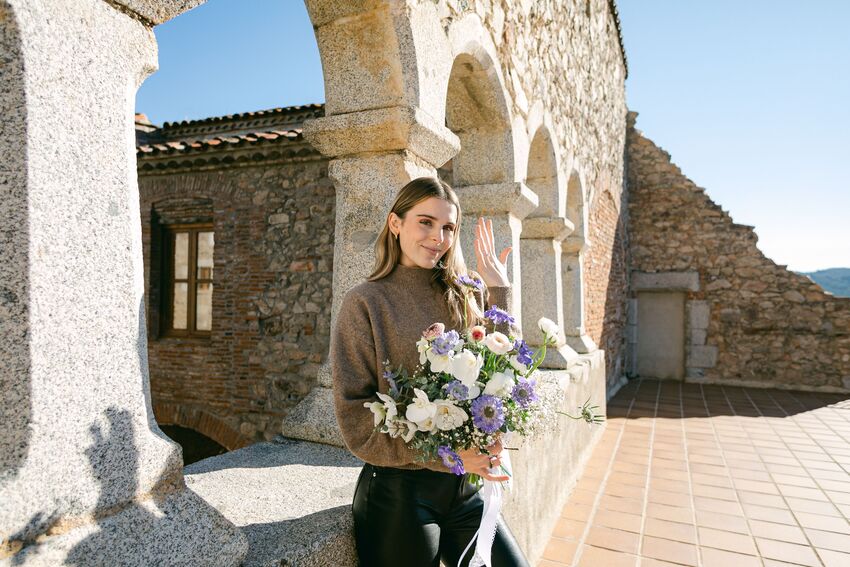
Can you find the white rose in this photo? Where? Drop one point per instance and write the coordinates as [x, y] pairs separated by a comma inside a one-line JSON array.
[[518, 366], [378, 410], [448, 415], [420, 409], [500, 385], [466, 366], [498, 343], [439, 362]]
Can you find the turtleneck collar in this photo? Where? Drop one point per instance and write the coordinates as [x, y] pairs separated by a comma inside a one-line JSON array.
[[411, 276]]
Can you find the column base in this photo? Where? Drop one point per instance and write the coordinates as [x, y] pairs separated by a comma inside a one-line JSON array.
[[582, 344]]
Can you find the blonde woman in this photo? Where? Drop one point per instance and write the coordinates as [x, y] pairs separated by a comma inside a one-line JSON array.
[[408, 513]]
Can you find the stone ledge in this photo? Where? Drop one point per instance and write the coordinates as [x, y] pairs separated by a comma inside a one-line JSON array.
[[665, 281], [397, 128], [313, 419], [514, 198], [155, 12], [291, 499], [555, 228]]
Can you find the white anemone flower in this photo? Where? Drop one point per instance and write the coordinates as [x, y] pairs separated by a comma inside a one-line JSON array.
[[379, 412], [420, 409], [500, 385], [428, 425], [401, 427], [448, 415], [439, 362], [466, 366], [498, 343]]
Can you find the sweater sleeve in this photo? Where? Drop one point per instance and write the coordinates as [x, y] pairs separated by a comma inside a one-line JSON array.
[[354, 366]]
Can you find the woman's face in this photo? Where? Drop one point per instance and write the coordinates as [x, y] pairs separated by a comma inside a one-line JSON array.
[[426, 232]]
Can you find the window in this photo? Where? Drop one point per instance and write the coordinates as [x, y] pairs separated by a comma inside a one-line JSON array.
[[189, 280]]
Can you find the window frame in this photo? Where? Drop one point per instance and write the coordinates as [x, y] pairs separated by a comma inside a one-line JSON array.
[[168, 280]]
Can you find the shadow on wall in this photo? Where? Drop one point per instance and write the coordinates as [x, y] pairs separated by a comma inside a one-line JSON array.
[[15, 362], [613, 337]]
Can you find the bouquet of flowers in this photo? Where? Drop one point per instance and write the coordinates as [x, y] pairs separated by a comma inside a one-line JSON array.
[[466, 391]]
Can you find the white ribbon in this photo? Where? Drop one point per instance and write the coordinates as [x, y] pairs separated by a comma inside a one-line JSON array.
[[491, 493]]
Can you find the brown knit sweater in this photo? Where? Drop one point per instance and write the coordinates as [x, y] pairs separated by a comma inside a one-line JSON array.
[[377, 321]]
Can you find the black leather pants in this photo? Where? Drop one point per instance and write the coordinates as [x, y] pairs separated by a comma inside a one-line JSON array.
[[416, 518]]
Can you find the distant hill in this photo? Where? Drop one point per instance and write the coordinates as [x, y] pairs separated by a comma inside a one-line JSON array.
[[834, 280]]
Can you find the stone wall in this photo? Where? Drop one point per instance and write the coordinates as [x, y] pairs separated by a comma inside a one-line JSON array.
[[562, 62], [751, 321], [271, 303]]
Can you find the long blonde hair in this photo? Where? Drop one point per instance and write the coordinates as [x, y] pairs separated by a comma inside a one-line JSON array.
[[450, 266]]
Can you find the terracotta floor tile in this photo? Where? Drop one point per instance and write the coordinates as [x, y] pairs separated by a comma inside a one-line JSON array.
[[547, 563], [829, 540], [726, 522], [676, 531], [619, 504], [749, 474], [618, 520], [812, 506], [681, 486], [717, 505], [670, 474], [794, 480], [580, 512], [756, 486], [767, 514], [802, 492], [782, 532], [614, 539], [826, 523], [790, 552], [761, 499], [597, 556], [649, 562], [722, 481], [838, 497], [836, 485], [667, 550], [582, 497], [719, 558], [624, 490], [669, 513], [560, 550], [834, 558], [682, 500], [714, 492], [568, 529], [627, 478], [729, 541]]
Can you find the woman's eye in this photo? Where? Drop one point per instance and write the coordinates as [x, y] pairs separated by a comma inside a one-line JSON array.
[[426, 222], [450, 228]]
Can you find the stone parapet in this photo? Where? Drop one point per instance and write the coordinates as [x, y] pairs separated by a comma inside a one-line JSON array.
[[292, 499]]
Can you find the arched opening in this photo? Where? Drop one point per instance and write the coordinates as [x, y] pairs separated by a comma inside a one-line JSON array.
[[238, 215], [573, 277], [483, 169], [542, 176], [196, 446]]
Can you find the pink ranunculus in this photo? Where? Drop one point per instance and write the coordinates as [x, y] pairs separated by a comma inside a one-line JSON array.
[[434, 331], [477, 333], [498, 343]]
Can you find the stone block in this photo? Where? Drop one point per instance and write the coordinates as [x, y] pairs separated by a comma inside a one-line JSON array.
[[513, 198], [699, 314], [156, 12], [313, 419], [665, 281], [698, 336], [702, 356]]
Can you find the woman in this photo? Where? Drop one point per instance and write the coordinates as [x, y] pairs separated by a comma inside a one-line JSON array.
[[408, 513]]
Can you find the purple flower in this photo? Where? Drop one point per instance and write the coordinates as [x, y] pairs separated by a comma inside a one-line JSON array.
[[498, 316], [469, 282], [523, 393], [445, 343], [488, 415], [523, 352], [390, 376], [457, 390], [451, 459]]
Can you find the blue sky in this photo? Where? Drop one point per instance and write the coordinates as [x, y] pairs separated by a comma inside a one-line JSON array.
[[750, 98]]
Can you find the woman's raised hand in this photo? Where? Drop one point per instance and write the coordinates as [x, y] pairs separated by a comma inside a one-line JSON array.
[[480, 463], [492, 268]]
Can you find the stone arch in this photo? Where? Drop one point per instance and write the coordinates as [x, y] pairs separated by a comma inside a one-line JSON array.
[[572, 264], [15, 362], [477, 112], [543, 174], [201, 421]]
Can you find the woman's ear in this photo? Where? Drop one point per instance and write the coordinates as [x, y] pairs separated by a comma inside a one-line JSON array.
[[393, 222]]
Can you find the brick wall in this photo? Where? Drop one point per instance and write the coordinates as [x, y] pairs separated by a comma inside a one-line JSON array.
[[767, 326], [271, 302]]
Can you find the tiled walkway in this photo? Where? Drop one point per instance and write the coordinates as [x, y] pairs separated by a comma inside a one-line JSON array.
[[712, 476]]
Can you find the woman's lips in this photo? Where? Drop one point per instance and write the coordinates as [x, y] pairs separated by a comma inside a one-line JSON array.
[[431, 250]]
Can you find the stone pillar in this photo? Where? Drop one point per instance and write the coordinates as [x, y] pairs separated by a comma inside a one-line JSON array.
[[87, 477], [573, 248], [506, 204], [378, 152], [540, 248]]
